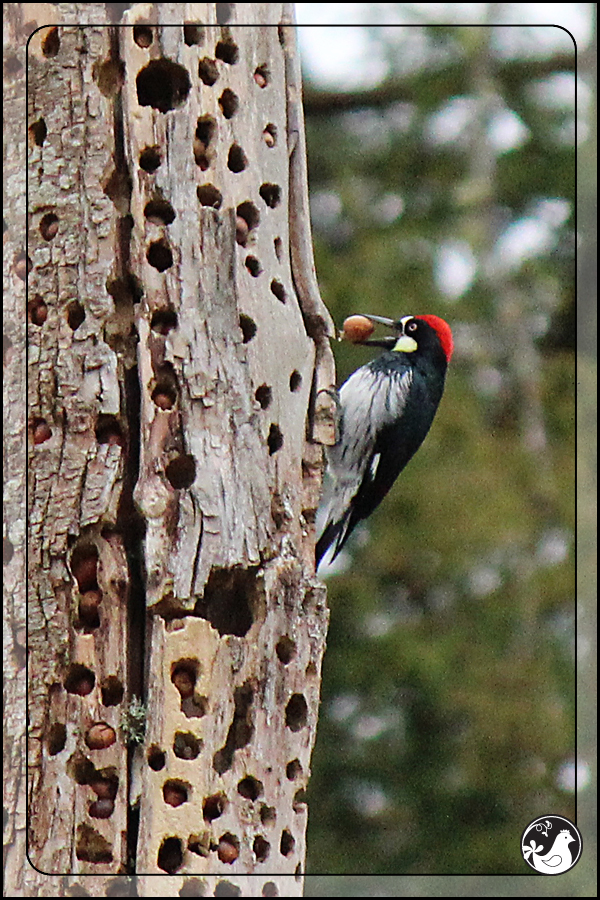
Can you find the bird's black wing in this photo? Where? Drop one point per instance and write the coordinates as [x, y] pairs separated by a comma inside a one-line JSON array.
[[396, 444]]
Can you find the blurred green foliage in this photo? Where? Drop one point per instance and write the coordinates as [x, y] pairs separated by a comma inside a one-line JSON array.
[[448, 708]]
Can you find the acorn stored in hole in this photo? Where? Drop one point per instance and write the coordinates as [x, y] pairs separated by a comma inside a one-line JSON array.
[[269, 137], [260, 77], [174, 794], [85, 571], [241, 231], [104, 788], [163, 399], [41, 431], [183, 682], [23, 265], [101, 809], [38, 311], [100, 736], [227, 852], [83, 686], [88, 608]]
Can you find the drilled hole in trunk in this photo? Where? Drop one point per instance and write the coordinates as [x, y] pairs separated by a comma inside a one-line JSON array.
[[241, 729], [208, 72], [271, 194], [262, 76], [270, 135], [75, 314], [296, 712], [49, 226], [108, 430], [250, 788], [84, 566], [176, 792], [227, 51], [160, 255], [38, 310], [57, 738], [253, 265], [229, 103], [150, 159], [51, 43], [186, 745], [157, 758], [91, 846], [163, 321], [278, 290], [231, 600], [193, 35], [143, 36], [159, 212], [275, 439], [163, 85], [38, 132], [293, 769], [268, 815], [236, 159], [184, 674], [79, 680], [181, 471], [228, 848], [170, 855], [112, 691], [209, 195], [214, 806], [261, 848], [287, 843], [285, 649], [264, 395], [248, 327], [125, 290]]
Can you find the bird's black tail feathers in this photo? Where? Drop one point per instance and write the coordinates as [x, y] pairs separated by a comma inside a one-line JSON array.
[[334, 533], [325, 541]]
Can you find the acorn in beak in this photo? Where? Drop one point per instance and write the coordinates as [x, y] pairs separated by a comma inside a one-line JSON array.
[[358, 329]]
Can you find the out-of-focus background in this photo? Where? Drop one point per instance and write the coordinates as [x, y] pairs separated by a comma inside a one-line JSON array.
[[442, 142]]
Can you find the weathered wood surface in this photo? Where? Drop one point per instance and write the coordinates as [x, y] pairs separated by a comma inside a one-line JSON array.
[[77, 575], [160, 210], [229, 561]]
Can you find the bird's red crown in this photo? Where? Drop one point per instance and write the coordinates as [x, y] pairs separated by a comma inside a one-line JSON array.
[[443, 331]]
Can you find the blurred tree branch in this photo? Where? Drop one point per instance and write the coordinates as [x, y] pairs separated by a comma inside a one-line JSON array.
[[437, 84]]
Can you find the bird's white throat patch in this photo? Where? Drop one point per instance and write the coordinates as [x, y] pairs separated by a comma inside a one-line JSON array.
[[405, 344]]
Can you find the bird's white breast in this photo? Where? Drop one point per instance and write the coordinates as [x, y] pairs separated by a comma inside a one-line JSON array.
[[369, 401]]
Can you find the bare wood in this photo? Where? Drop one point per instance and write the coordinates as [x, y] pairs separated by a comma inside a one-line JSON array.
[[230, 569]]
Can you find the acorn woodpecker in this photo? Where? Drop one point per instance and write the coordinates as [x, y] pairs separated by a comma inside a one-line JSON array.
[[385, 411]]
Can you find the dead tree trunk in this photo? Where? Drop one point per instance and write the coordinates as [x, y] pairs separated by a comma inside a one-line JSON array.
[[177, 347]]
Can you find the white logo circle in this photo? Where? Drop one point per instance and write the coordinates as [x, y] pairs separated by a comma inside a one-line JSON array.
[[551, 845]]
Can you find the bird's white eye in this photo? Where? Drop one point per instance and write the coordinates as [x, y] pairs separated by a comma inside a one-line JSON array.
[[412, 326]]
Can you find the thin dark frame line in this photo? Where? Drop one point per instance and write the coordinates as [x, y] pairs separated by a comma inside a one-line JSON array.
[[113, 25]]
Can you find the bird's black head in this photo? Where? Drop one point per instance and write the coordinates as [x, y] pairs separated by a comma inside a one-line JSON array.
[[414, 334]]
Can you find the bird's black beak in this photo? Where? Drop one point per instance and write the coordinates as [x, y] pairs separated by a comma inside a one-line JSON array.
[[388, 342]]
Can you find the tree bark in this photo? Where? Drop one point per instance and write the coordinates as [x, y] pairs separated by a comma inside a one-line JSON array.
[[178, 348]]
